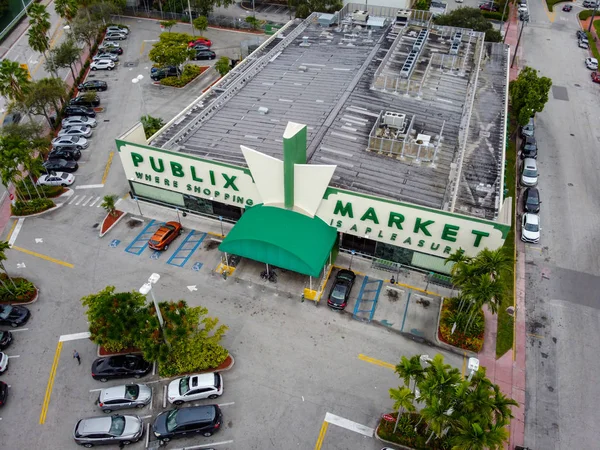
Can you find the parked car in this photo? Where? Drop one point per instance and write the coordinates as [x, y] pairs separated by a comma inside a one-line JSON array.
[[529, 172], [186, 422], [110, 44], [531, 200], [529, 129], [14, 315], [529, 147], [164, 72], [88, 100], [3, 393], [204, 54], [102, 64], [581, 34], [200, 47], [120, 366], [583, 43], [105, 55], [116, 29], [340, 291], [12, 118], [79, 130], [3, 362], [124, 396], [166, 234], [489, 7], [115, 429], [79, 120], [77, 142], [195, 387], [205, 42], [56, 179], [591, 63], [567, 8], [73, 110], [93, 85], [589, 4], [530, 228], [5, 339], [595, 77], [65, 153], [115, 36], [112, 50], [53, 166]]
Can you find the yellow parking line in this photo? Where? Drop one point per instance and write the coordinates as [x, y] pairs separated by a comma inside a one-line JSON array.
[[321, 435], [376, 361], [107, 168], [39, 255], [11, 230], [50, 383], [464, 365], [142, 49]]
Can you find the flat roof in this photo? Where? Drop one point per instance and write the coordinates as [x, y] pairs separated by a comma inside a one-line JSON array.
[[339, 82]]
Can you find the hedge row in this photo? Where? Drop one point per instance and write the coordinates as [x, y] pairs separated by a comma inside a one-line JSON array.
[[32, 206], [190, 72], [492, 15]]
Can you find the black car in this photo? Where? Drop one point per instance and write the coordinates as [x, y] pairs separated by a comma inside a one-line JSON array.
[[186, 422], [340, 291], [93, 85], [567, 8], [529, 147], [112, 50], [11, 119], [84, 100], [60, 165], [72, 110], [531, 200], [65, 153], [164, 72], [3, 392], [581, 34], [205, 54], [120, 366], [14, 315], [5, 339]]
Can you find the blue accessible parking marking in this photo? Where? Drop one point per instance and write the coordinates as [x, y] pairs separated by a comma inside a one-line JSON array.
[[189, 245], [367, 300], [155, 255], [114, 243], [197, 266], [140, 242]]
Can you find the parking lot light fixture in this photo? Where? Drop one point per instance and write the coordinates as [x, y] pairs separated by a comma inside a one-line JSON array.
[[147, 288], [137, 80]]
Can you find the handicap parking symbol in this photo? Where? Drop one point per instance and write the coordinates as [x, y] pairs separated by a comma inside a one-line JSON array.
[[114, 243], [155, 255], [197, 266]]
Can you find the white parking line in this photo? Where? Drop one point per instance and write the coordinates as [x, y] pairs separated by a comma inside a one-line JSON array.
[[151, 397], [94, 202], [147, 435], [152, 382], [146, 417], [226, 404], [15, 233], [74, 336], [164, 396], [90, 186], [13, 356], [18, 329], [349, 425], [74, 198], [207, 445], [80, 200], [87, 201], [95, 390]]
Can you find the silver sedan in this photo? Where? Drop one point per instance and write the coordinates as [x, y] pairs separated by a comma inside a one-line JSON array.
[[76, 130]]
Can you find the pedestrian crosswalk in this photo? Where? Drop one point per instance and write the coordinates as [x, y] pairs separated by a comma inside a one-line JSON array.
[[86, 200]]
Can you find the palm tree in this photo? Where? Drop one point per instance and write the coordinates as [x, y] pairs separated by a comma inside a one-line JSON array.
[[108, 204], [472, 436], [497, 262], [483, 290], [403, 400], [34, 166], [4, 245], [14, 80], [67, 9], [501, 405]]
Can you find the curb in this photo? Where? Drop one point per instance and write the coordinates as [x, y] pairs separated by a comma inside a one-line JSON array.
[[157, 83], [112, 226], [54, 208], [376, 435], [35, 299]]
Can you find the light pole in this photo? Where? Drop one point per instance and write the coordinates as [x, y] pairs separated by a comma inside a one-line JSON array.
[[352, 253], [136, 199], [191, 21], [178, 219], [137, 81], [593, 15], [221, 220], [147, 287]]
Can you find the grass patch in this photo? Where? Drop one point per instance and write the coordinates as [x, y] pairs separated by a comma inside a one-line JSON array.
[[585, 14], [551, 4], [597, 27], [505, 335], [593, 45]]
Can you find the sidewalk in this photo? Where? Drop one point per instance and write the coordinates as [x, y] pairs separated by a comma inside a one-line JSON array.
[[508, 372]]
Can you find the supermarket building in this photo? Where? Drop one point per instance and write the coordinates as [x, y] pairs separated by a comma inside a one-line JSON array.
[[384, 138]]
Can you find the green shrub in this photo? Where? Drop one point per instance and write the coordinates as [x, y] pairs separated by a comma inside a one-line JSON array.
[[551, 4], [585, 14], [406, 435], [592, 43], [492, 15], [472, 338], [190, 72], [193, 355], [22, 291], [28, 191], [31, 207]]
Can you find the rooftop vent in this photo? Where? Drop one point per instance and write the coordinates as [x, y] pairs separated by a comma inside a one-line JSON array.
[[360, 16], [302, 68], [305, 42], [263, 110]]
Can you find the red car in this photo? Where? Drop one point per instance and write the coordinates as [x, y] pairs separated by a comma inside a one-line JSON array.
[[567, 8], [206, 42], [488, 7], [595, 77]]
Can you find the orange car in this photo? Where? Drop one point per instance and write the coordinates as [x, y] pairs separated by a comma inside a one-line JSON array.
[[165, 235]]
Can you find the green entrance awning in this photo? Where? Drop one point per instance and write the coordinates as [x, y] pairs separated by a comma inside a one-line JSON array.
[[283, 238]]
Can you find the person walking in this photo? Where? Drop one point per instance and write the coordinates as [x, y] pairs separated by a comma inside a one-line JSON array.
[[76, 356]]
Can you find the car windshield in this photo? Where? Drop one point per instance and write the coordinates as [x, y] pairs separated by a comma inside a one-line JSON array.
[[74, 138], [153, 242], [184, 385], [531, 173], [172, 420], [531, 226], [64, 176], [117, 425], [6, 310], [132, 391], [339, 291]]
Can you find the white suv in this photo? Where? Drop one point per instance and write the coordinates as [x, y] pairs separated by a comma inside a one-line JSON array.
[[3, 362], [195, 387], [591, 63], [102, 64]]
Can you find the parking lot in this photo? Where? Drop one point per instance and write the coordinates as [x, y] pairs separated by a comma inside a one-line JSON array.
[[294, 363]]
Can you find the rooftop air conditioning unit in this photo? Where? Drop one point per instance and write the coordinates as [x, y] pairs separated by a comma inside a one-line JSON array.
[[263, 110], [394, 119], [360, 16], [457, 36]]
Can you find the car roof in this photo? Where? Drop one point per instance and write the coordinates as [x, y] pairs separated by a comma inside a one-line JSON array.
[[202, 379], [94, 425], [532, 218], [532, 192], [112, 393], [346, 274], [530, 163], [196, 414]]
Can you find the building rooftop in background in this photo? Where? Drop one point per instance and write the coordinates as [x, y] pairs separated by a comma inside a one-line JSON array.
[[410, 111]]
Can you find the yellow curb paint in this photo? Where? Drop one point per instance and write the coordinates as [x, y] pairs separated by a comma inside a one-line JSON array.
[[50, 383], [225, 268], [39, 255], [142, 48], [11, 230], [535, 335], [321, 437], [464, 365], [107, 168], [551, 15], [377, 362], [322, 289], [216, 234]]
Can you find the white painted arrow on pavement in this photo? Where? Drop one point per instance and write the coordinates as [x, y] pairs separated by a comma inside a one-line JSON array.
[[192, 288], [20, 265], [39, 241]]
